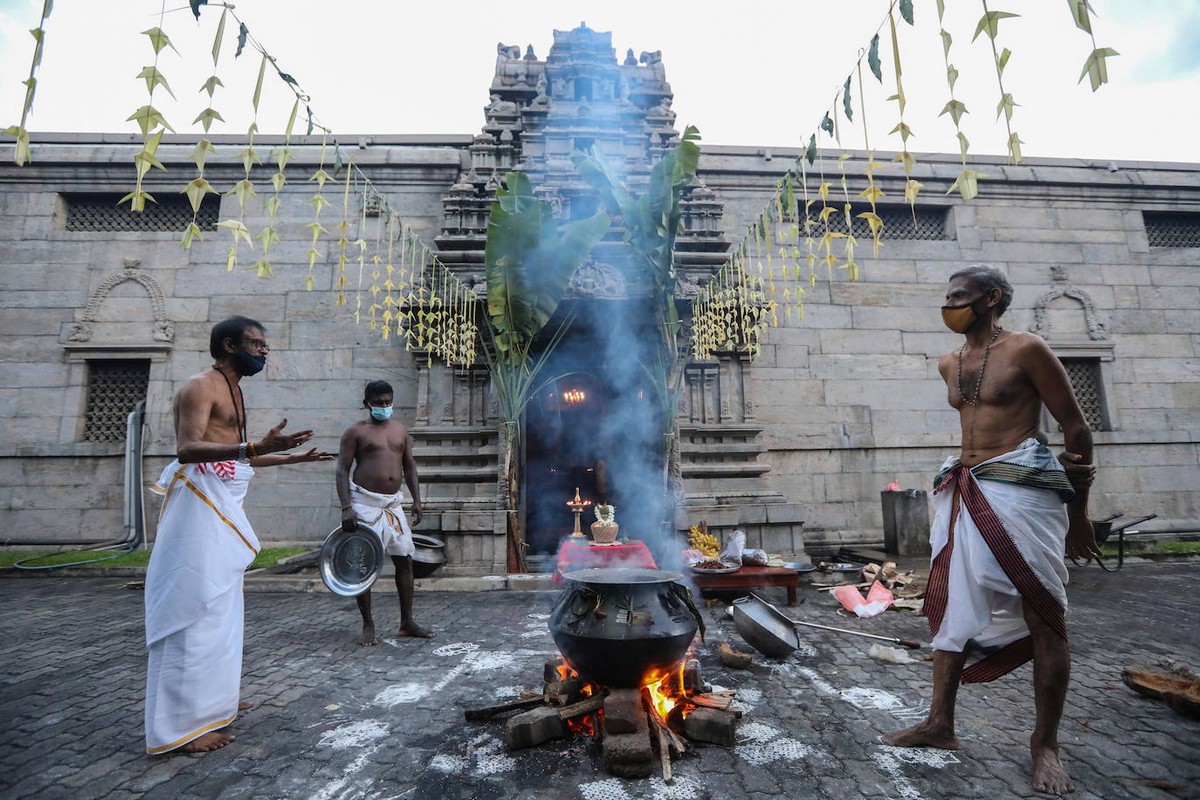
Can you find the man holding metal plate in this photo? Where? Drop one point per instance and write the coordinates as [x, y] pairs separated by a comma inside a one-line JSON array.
[[379, 450]]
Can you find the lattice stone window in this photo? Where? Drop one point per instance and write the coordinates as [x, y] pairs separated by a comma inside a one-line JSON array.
[[103, 212], [898, 222], [1172, 228], [1089, 390], [114, 386]]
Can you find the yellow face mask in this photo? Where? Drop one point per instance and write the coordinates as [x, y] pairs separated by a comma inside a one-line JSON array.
[[959, 319]]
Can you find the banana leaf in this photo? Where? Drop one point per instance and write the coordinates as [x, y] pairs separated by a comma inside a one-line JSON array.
[[529, 264]]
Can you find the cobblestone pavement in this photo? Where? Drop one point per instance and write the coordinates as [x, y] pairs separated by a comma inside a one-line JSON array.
[[337, 721]]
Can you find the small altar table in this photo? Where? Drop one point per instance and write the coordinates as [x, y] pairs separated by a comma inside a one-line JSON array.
[[579, 553], [749, 578]]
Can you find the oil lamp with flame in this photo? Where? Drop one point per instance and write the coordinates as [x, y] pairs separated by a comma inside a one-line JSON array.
[[578, 505]]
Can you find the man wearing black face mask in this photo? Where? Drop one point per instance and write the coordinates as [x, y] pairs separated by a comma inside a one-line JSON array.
[[194, 611], [997, 585]]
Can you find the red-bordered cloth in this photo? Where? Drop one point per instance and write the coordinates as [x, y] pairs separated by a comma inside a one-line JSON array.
[[577, 553], [997, 545]]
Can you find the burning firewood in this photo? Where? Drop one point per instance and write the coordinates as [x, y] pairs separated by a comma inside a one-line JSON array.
[[588, 706]]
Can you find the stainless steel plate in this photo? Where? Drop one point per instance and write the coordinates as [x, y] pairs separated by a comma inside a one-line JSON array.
[[722, 571], [350, 562]]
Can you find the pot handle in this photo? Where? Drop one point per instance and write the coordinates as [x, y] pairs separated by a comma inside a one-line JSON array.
[[583, 601], [685, 594]]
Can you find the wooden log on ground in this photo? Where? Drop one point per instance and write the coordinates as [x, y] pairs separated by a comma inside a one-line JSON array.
[[487, 712]]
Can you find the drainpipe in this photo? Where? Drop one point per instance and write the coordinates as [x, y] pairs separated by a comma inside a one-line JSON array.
[[134, 507]]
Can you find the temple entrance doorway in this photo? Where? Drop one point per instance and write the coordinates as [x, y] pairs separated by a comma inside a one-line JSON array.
[[595, 424]]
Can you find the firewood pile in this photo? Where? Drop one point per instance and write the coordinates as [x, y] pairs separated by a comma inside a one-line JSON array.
[[638, 730]]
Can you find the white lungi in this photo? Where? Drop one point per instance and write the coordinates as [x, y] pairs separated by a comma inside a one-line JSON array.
[[194, 602], [385, 514], [998, 539]]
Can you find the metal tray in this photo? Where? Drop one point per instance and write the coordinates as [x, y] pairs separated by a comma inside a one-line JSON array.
[[350, 562], [724, 571]]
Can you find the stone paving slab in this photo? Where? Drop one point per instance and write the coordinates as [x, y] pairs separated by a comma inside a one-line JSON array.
[[337, 722]]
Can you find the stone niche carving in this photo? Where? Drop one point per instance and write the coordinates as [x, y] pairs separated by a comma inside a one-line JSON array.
[[128, 308], [595, 279], [1065, 312]]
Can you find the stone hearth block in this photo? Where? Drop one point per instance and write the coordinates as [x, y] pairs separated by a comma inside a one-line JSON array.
[[629, 755], [531, 728], [623, 711], [710, 725]]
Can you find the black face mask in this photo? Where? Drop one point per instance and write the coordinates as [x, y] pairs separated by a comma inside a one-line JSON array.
[[247, 365]]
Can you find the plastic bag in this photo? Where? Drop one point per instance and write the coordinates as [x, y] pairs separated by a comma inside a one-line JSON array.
[[876, 602], [754, 558], [732, 552]]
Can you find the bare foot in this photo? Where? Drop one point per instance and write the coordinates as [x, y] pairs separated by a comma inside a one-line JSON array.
[[213, 740], [1049, 777], [923, 735], [414, 630], [245, 705], [368, 637]]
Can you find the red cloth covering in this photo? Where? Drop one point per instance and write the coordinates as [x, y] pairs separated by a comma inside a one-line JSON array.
[[579, 553]]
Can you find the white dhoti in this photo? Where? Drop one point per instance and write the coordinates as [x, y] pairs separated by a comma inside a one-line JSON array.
[[998, 539], [385, 514], [194, 603]]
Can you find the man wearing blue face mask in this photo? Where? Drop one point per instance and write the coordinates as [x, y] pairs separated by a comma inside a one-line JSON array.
[[380, 451], [194, 611]]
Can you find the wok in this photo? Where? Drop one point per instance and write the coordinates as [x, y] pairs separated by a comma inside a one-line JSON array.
[[767, 630]]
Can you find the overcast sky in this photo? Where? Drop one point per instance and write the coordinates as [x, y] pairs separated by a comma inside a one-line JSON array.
[[751, 72]]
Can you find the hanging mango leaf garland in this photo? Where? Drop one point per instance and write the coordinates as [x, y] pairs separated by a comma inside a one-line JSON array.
[[967, 182], [989, 24], [908, 161], [1095, 68], [199, 188], [872, 192], [344, 240], [22, 153], [319, 202], [151, 123], [269, 235]]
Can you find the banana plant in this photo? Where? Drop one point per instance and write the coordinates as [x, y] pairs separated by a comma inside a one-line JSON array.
[[529, 259], [652, 222]]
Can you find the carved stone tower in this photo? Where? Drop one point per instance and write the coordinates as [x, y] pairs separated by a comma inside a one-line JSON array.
[[540, 114]]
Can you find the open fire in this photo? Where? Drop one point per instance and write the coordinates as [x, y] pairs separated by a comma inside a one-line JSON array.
[[636, 728]]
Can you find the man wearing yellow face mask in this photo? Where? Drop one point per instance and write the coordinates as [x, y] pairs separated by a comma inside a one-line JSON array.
[[1005, 511]]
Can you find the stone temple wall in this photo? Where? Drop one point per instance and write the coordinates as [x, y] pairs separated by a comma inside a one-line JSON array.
[[849, 399]]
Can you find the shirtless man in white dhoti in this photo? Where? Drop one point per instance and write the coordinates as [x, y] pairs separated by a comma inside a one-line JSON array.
[[380, 451], [997, 585], [194, 607]]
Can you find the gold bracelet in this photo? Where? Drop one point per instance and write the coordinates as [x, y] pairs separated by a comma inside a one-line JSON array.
[[250, 447]]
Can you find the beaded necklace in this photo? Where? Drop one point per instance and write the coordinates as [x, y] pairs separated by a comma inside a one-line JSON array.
[[974, 401], [238, 414]]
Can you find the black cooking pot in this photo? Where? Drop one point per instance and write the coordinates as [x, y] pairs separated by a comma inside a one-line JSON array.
[[624, 627]]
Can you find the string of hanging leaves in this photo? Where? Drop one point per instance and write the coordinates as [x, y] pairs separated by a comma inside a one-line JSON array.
[[412, 294], [744, 296]]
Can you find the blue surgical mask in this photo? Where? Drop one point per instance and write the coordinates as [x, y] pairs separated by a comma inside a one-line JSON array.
[[381, 414], [247, 365]]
